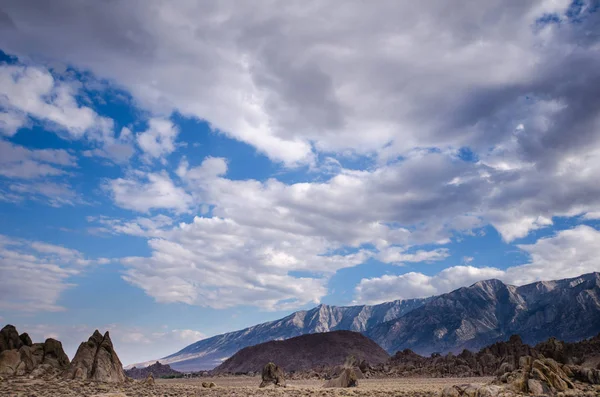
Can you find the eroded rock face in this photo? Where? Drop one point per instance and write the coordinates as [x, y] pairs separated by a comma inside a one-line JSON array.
[[26, 359], [272, 374], [97, 360], [10, 360], [54, 354], [9, 338], [542, 376]]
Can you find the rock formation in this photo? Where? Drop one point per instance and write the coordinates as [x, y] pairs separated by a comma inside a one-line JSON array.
[[19, 356], [149, 381], [96, 360], [9, 338], [157, 369], [347, 378], [272, 375]]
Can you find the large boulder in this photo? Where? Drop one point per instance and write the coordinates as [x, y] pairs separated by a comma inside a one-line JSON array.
[[9, 338], [26, 339], [96, 360], [10, 361], [347, 378], [272, 375], [54, 355]]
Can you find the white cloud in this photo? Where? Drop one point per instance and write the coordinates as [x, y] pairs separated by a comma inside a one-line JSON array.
[[145, 191], [255, 73], [219, 263], [159, 139], [19, 162], [568, 253], [11, 122], [118, 150], [155, 226], [35, 92], [51, 266], [397, 255]]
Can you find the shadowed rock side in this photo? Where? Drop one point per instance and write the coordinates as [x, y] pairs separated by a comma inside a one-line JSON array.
[[305, 352], [157, 370], [96, 360], [19, 356]]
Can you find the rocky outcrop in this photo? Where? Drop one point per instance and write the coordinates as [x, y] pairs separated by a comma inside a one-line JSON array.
[[157, 370], [26, 339], [347, 378], [272, 375], [542, 376], [27, 359], [149, 381], [9, 338], [96, 360]]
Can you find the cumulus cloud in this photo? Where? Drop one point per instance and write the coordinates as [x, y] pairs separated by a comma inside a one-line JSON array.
[[33, 91], [145, 191], [256, 74], [159, 139], [568, 253], [424, 87], [220, 263], [52, 266]]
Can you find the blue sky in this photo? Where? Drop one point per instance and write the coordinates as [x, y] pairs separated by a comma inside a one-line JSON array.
[[174, 173]]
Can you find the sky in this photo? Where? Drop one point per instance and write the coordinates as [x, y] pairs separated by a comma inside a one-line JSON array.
[[175, 170]]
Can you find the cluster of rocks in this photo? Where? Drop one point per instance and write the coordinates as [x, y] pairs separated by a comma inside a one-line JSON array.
[[157, 370], [498, 358], [345, 375], [534, 376], [20, 356], [95, 359]]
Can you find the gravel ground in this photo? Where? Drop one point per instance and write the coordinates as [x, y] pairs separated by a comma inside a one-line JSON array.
[[227, 386]]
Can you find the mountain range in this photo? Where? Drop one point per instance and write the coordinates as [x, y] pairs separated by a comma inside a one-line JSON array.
[[469, 317]]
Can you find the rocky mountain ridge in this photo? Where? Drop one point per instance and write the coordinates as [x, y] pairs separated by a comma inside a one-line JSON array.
[[467, 318], [489, 311]]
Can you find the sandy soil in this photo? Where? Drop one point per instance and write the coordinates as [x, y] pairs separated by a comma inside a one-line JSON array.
[[229, 387]]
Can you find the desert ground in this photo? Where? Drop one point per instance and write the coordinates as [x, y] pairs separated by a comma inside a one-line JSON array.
[[228, 386]]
